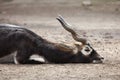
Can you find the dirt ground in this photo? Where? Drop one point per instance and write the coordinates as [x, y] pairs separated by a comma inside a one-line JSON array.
[[99, 22]]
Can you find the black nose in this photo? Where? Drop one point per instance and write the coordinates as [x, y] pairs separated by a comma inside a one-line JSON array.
[[102, 58]]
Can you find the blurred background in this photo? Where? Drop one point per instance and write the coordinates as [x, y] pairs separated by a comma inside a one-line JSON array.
[[96, 20], [82, 13]]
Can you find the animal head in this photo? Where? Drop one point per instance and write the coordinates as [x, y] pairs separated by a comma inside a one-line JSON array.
[[84, 49]]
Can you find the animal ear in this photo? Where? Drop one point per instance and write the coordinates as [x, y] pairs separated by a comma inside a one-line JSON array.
[[79, 45], [64, 47]]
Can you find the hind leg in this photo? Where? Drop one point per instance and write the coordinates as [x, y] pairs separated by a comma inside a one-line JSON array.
[[22, 57]]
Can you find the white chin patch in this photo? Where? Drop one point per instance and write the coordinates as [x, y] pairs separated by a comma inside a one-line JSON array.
[[37, 58], [96, 61], [84, 52]]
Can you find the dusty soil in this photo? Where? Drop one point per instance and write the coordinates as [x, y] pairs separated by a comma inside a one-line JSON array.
[[99, 23]]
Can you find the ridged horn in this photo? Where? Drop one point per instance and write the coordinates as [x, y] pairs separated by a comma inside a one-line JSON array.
[[67, 26]]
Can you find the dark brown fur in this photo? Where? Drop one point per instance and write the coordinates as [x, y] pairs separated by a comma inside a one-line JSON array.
[[27, 43]]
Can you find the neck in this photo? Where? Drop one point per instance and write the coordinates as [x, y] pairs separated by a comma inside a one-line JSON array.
[[53, 53]]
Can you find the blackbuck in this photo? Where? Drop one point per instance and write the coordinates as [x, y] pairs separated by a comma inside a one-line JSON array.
[[25, 43]]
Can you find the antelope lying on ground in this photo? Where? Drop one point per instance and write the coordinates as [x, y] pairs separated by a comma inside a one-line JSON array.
[[26, 43]]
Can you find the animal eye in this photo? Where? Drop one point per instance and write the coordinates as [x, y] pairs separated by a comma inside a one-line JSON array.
[[87, 49]]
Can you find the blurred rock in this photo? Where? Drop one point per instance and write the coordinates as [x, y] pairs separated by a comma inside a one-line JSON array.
[[87, 3]]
